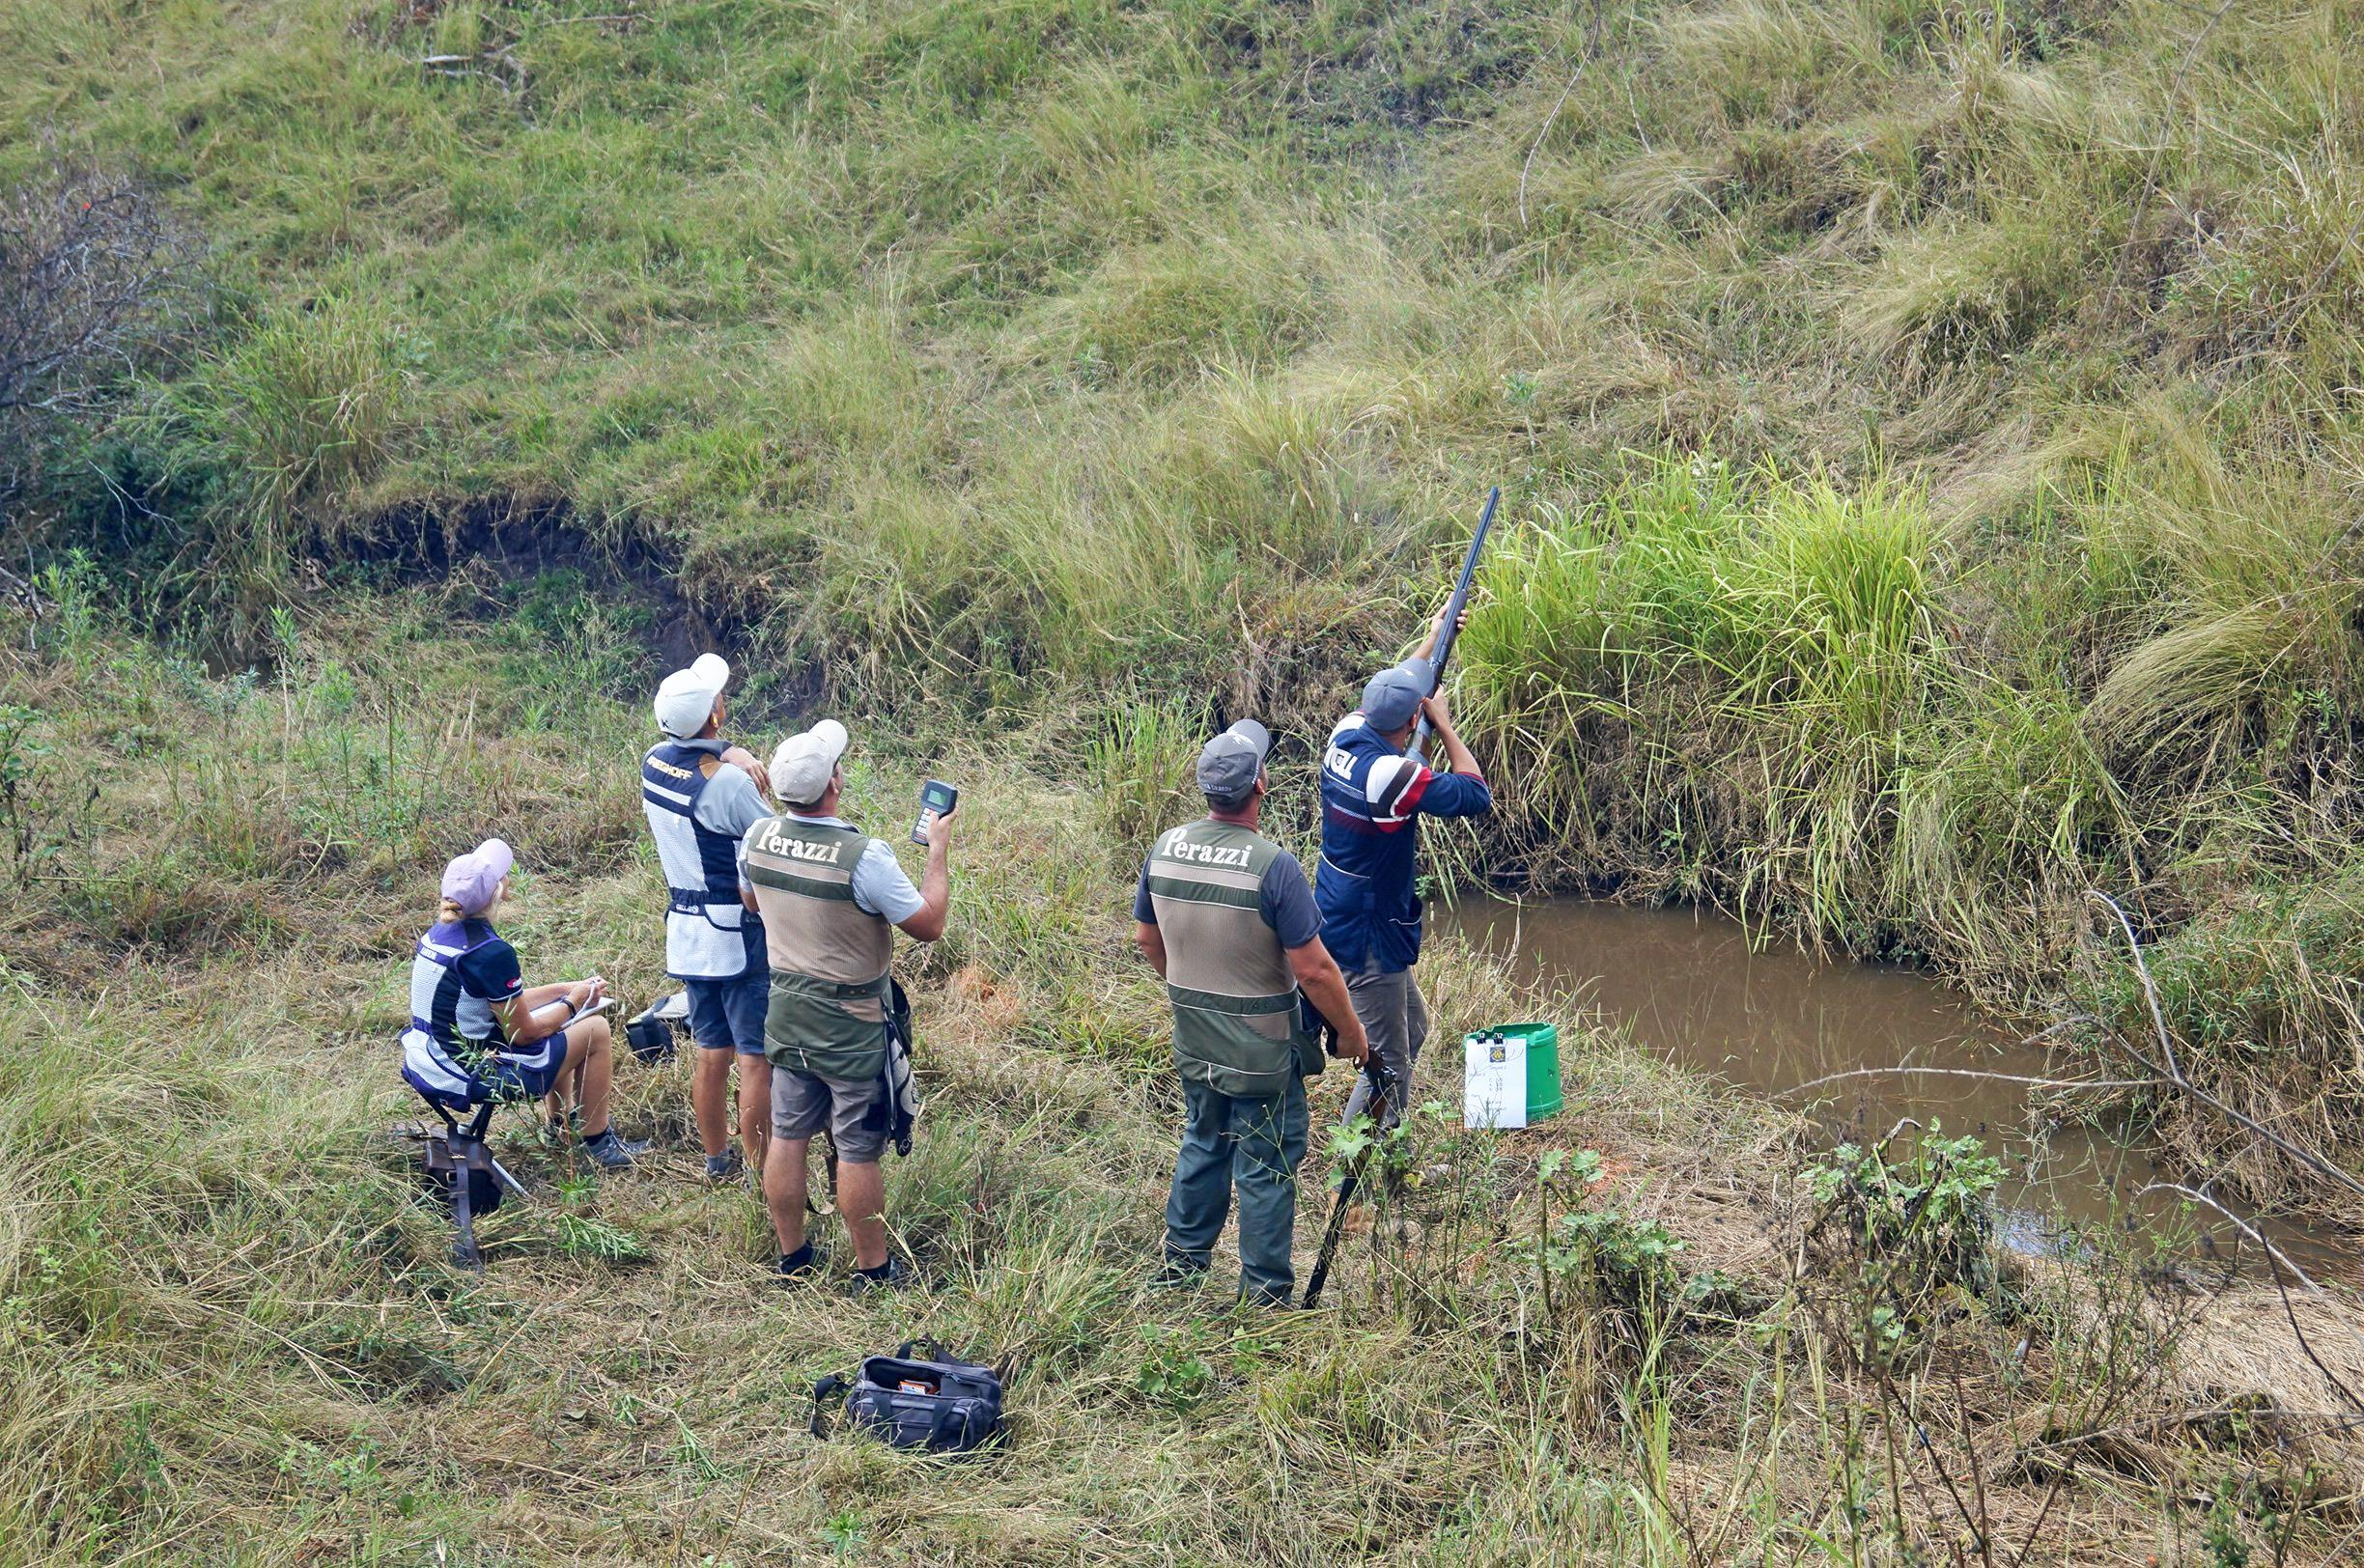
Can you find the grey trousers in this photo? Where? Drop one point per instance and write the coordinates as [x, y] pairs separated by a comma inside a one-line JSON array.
[[1255, 1145], [1396, 1017]]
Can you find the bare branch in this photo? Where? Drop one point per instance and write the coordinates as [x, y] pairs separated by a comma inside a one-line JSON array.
[[2281, 1261], [93, 274], [1976, 1073]]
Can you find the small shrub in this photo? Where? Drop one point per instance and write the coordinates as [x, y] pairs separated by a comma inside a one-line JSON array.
[[1623, 1261], [1898, 1236], [95, 276]]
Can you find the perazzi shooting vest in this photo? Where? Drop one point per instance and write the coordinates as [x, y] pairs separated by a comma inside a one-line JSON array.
[[829, 955], [709, 935], [1234, 995]]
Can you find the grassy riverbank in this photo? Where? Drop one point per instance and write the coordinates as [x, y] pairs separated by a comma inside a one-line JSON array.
[[228, 1333]]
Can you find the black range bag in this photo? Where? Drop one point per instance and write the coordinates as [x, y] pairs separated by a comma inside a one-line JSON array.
[[920, 1397]]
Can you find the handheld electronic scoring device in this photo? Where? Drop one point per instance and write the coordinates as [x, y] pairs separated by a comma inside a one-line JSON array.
[[937, 798]]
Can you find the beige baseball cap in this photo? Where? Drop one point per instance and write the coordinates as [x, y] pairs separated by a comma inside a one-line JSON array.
[[801, 766]]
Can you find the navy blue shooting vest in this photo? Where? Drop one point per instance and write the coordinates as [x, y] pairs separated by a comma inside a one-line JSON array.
[[710, 935]]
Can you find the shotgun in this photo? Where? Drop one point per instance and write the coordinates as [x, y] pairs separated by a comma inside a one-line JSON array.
[[1380, 1086], [1446, 638]]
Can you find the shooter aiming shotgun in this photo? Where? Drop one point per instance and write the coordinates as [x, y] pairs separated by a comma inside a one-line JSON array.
[[1375, 785]]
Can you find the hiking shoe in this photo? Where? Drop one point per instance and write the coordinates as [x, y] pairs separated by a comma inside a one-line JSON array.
[[612, 1151], [796, 1266], [560, 1131], [887, 1275], [1180, 1273], [721, 1168]]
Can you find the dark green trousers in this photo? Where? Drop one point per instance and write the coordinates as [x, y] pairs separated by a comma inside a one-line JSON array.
[[1256, 1145]]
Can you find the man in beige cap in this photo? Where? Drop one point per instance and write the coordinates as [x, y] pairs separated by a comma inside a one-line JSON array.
[[701, 795], [831, 897]]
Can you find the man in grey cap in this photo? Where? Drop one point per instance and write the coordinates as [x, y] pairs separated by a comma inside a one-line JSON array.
[[701, 795], [1223, 915], [1373, 797], [833, 898]]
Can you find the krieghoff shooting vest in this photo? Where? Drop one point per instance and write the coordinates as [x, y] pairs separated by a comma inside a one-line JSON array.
[[452, 1034], [828, 955], [709, 932], [1227, 975]]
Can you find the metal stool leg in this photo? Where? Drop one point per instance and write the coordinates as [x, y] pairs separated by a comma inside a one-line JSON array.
[[465, 1251], [454, 1156]]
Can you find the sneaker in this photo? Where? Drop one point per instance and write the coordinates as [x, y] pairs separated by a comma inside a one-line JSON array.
[[560, 1131], [887, 1275], [721, 1168], [613, 1151], [794, 1266]]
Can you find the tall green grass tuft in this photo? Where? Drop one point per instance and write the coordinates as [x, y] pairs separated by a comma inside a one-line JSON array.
[[1139, 768], [270, 443], [1752, 655]]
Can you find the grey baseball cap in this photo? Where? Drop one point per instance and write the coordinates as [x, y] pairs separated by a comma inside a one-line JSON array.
[[1395, 694], [1229, 764]]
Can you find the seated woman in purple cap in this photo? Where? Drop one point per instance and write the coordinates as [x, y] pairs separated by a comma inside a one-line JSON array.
[[478, 1032]]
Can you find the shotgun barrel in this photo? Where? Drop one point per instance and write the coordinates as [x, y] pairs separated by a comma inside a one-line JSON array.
[[1418, 749]]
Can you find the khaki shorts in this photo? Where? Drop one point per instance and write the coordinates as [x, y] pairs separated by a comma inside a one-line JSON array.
[[855, 1114]]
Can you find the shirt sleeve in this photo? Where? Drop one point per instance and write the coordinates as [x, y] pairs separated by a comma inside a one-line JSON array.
[[745, 839], [490, 973], [1144, 907], [880, 887], [1288, 903], [1456, 795], [729, 803]]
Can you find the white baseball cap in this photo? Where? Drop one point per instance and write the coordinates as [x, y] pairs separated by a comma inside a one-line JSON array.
[[801, 766], [686, 698]]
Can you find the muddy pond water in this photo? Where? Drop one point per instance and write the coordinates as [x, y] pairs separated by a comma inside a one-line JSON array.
[[1693, 989]]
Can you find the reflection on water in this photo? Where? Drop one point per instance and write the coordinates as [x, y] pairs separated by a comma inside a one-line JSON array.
[[1691, 990]]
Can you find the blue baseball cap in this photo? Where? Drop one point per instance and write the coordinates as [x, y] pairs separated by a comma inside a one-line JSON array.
[[1395, 694]]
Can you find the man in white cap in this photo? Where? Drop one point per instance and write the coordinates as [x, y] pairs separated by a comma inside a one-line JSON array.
[[1223, 915], [832, 898], [701, 795]]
